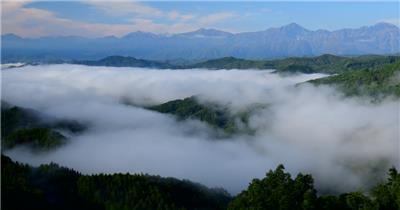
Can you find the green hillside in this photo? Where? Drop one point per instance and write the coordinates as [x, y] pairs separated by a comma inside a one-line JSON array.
[[327, 63], [232, 63], [20, 126], [53, 187], [216, 116], [50, 187], [321, 64], [37, 138], [278, 190], [376, 83], [121, 61]]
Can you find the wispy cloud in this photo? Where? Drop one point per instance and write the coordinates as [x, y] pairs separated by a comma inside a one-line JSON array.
[[174, 15], [215, 18], [34, 22], [125, 8]]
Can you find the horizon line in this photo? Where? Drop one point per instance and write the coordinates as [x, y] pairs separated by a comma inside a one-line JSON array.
[[202, 28]]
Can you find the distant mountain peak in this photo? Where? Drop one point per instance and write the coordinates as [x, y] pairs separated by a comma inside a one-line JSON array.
[[10, 35], [286, 41], [139, 34], [382, 25], [293, 28], [207, 32], [293, 25]]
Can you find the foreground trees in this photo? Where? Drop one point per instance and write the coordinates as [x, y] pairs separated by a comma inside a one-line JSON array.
[[279, 191], [53, 187]]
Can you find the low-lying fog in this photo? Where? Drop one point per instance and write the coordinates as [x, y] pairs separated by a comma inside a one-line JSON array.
[[344, 143]]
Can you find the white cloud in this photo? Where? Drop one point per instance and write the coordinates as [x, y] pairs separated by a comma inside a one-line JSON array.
[[174, 15], [215, 18], [122, 8], [308, 129], [34, 22]]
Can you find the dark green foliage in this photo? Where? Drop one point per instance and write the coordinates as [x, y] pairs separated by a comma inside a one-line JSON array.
[[37, 138], [232, 63], [53, 187], [323, 64], [25, 126], [387, 195], [376, 83], [121, 61], [213, 114], [277, 191], [297, 68], [47, 187], [13, 118], [124, 191], [356, 201]]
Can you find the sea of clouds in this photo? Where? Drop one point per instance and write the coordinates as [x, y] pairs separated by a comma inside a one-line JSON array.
[[345, 143]]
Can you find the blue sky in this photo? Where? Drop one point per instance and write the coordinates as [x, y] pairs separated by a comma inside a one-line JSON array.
[[95, 19]]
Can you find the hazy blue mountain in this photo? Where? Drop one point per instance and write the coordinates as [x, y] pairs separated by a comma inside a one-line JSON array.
[[285, 41]]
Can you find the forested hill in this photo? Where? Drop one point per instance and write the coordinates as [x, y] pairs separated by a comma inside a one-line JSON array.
[[321, 64], [121, 61], [21, 126], [374, 83], [53, 187], [217, 116]]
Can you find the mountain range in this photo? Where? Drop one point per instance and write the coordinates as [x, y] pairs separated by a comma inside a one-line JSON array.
[[286, 41]]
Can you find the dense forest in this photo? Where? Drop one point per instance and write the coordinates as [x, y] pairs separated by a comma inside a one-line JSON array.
[[327, 63], [217, 116], [21, 126], [375, 83], [121, 61], [53, 187]]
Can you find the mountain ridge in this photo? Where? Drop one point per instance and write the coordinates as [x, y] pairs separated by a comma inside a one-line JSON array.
[[327, 63], [290, 25], [280, 42]]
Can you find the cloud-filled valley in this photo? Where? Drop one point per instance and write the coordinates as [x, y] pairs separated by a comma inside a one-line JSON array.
[[341, 141]]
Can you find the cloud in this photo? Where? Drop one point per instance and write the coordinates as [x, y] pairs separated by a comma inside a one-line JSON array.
[[123, 8], [215, 18], [34, 22], [345, 143], [174, 15]]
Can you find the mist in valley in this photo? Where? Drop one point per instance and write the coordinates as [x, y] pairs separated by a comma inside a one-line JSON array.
[[343, 142]]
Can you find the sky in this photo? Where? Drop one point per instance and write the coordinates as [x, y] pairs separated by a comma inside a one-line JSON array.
[[116, 18]]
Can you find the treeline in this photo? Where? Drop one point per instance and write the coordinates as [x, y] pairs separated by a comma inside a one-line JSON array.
[[53, 187], [279, 191], [327, 63], [21, 126], [374, 83], [215, 115]]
